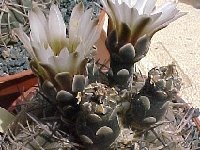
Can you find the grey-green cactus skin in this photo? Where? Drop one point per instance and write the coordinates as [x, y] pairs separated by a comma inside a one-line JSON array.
[[95, 113], [88, 108], [95, 126], [151, 103], [65, 101], [124, 54], [98, 111]]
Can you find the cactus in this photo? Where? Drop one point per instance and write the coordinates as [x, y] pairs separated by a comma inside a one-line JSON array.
[[151, 103], [131, 26], [94, 124], [92, 106], [65, 83]]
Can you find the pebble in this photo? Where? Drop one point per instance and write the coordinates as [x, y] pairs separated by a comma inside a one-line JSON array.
[[15, 60], [5, 53]]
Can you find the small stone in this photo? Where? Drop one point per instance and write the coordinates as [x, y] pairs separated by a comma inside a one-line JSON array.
[[18, 69], [5, 53], [20, 62], [14, 54], [11, 63], [26, 66], [11, 71], [1, 72], [5, 69], [16, 61]]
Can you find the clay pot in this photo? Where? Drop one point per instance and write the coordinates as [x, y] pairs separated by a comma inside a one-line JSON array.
[[16, 88], [103, 55]]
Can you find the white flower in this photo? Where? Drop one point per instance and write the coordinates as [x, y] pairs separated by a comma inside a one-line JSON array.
[[48, 44], [141, 16]]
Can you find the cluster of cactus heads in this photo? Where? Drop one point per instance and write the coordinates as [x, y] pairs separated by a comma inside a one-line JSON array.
[[71, 81], [151, 103]]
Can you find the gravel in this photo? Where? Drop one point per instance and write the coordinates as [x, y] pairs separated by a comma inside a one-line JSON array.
[[15, 58], [67, 6]]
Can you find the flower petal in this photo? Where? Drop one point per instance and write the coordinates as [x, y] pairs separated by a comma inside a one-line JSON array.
[[25, 40], [40, 52], [150, 6], [140, 15], [140, 4], [139, 27], [148, 29], [92, 35], [64, 53], [74, 23], [115, 13], [85, 24], [57, 29], [38, 33], [40, 16], [130, 3], [65, 62], [89, 31], [169, 14]]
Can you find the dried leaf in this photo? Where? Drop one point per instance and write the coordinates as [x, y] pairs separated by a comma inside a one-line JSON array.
[[6, 119]]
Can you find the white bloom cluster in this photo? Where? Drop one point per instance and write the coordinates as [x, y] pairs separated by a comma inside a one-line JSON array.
[[141, 16], [49, 45]]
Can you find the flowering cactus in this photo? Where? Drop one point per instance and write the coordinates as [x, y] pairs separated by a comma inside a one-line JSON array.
[[131, 27], [141, 17], [97, 111], [54, 53]]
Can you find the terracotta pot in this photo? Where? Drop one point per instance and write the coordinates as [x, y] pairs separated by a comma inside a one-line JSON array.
[[103, 55], [12, 87]]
